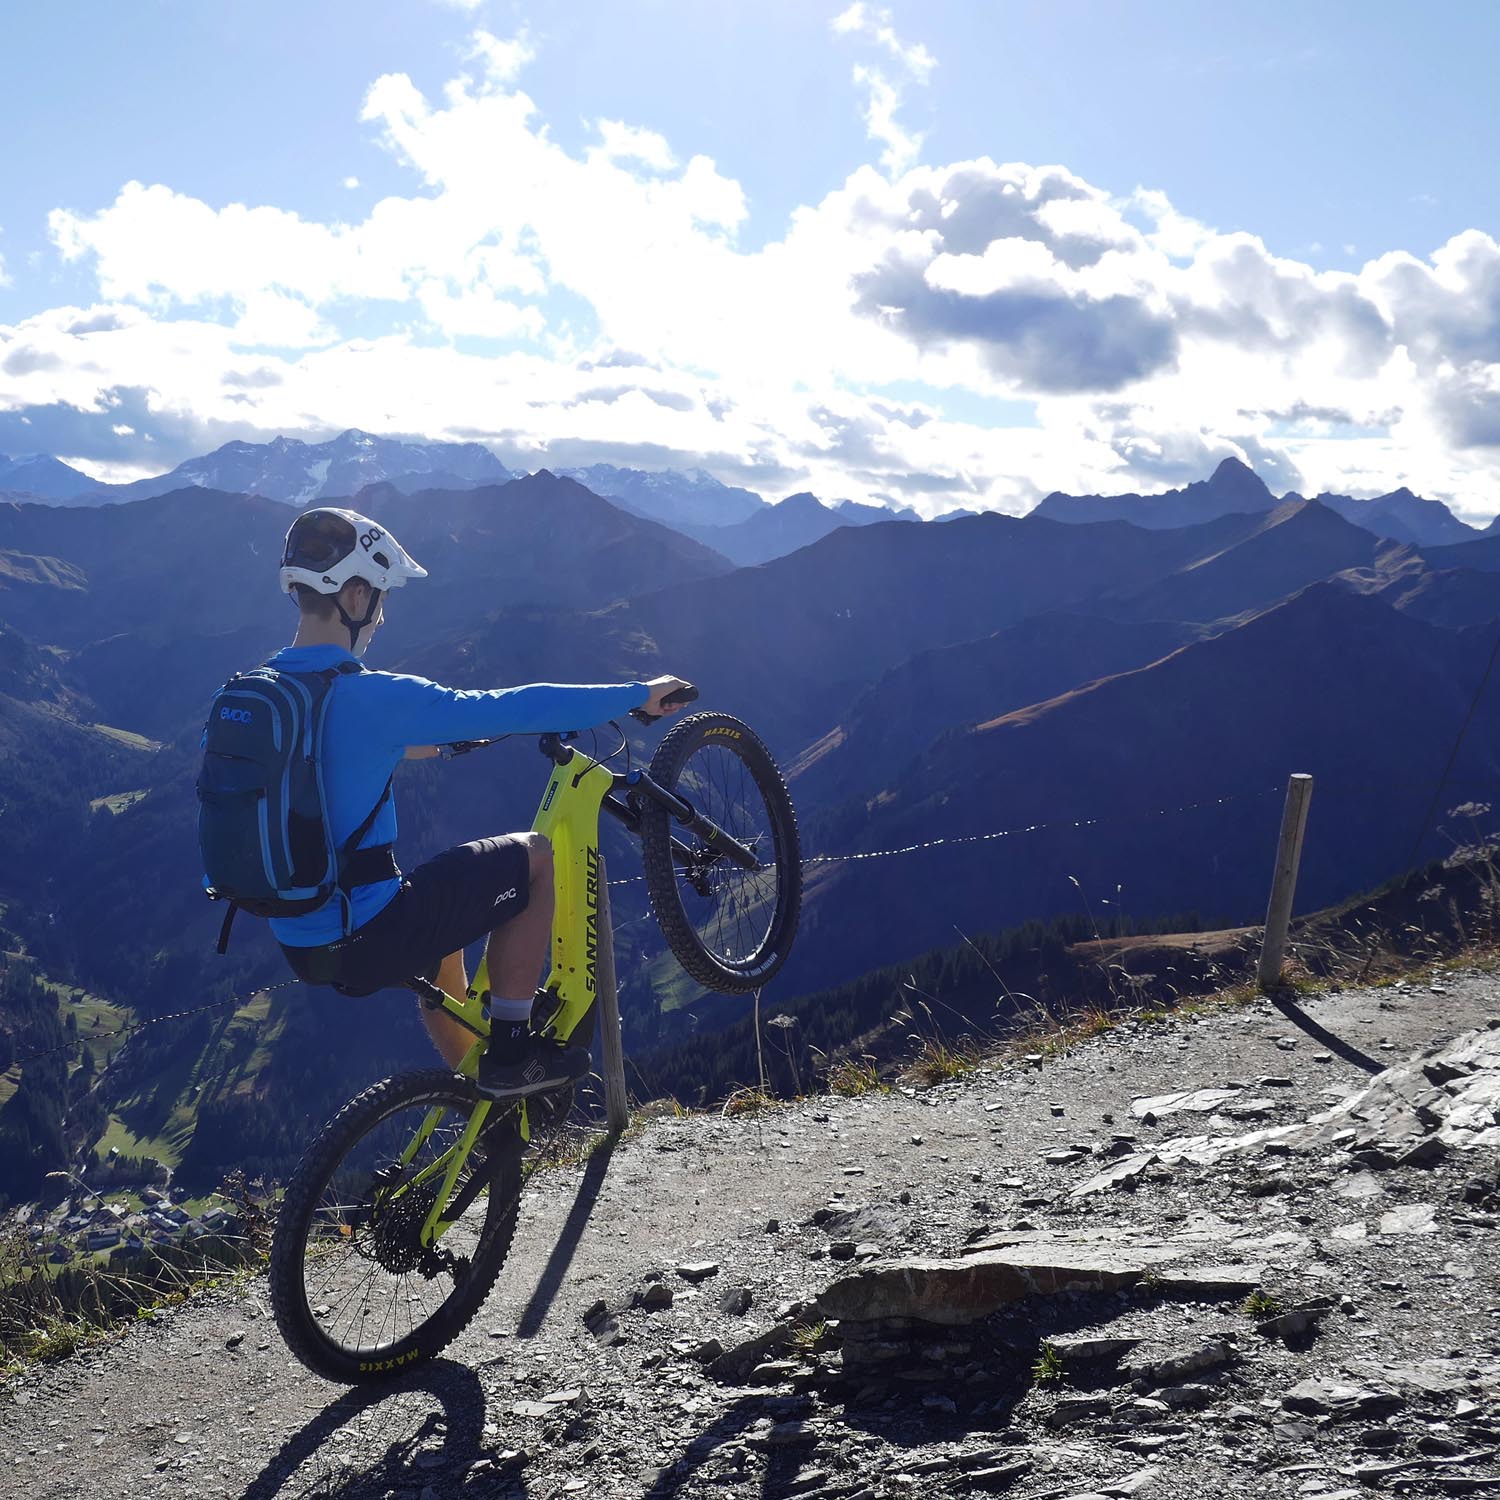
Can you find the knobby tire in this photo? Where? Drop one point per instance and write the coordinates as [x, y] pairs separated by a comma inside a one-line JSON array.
[[289, 1301], [715, 971]]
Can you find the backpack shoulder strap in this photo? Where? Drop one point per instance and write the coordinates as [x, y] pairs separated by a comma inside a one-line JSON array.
[[383, 865], [353, 841]]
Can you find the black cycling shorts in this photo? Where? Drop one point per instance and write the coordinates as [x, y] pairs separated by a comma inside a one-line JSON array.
[[443, 906]]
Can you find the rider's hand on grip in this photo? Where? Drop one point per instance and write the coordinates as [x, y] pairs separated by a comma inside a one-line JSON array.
[[668, 694]]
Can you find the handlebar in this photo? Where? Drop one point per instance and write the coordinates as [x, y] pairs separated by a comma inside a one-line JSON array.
[[687, 693]]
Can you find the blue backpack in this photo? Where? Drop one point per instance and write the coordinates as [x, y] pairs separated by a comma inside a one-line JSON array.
[[263, 826]]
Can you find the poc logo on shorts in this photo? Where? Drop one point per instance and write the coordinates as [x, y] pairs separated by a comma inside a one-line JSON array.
[[506, 895], [235, 715]]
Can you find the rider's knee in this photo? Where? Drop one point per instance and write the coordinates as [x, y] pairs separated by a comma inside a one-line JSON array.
[[539, 847]]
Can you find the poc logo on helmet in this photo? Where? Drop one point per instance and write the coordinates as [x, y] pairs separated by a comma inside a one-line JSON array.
[[235, 715]]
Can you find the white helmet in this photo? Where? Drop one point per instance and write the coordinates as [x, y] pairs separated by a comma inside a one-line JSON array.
[[326, 547]]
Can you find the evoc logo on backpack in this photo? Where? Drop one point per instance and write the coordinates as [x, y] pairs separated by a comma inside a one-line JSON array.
[[235, 715]]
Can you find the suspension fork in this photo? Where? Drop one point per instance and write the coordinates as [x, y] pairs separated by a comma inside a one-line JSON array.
[[638, 784]]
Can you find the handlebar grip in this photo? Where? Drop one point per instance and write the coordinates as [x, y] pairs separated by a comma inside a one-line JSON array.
[[687, 693]]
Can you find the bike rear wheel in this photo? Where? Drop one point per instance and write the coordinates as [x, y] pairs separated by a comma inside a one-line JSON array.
[[355, 1294], [730, 927]]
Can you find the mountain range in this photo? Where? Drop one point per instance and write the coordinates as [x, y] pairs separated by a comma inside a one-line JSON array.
[[299, 473], [736, 522], [39, 476], [1075, 715], [1234, 487]]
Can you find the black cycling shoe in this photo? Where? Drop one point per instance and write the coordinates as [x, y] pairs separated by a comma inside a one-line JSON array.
[[520, 1063]]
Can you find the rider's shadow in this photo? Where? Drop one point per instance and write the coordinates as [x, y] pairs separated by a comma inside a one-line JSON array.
[[779, 1475], [419, 1430]]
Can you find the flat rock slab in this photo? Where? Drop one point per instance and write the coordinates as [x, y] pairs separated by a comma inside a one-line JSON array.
[[1410, 1218], [1433, 1377], [1088, 1348], [1125, 1172], [1196, 1100], [1213, 1281], [956, 1292], [1319, 1396]]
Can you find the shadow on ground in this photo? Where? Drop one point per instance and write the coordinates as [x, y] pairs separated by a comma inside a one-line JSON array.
[[1335, 1043], [982, 1387], [555, 1271], [419, 1430]]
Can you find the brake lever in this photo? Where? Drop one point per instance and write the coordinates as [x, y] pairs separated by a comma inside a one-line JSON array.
[[687, 693]]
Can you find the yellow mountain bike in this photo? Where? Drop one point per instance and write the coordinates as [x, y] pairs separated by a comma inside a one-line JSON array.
[[398, 1218]]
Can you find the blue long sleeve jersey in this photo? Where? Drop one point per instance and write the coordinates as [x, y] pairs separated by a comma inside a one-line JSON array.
[[372, 719]]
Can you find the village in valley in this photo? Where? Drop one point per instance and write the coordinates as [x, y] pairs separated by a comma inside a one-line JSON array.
[[120, 1223]]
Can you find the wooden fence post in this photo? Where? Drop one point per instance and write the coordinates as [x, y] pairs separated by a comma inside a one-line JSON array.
[[616, 1101], [1284, 882]]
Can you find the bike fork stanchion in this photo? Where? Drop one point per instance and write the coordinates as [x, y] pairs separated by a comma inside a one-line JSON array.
[[616, 1105]]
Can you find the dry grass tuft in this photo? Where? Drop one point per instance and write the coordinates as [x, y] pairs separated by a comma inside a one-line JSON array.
[[746, 1101], [938, 1060], [853, 1076]]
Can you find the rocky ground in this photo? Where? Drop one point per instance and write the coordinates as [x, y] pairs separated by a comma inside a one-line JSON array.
[[1248, 1253]]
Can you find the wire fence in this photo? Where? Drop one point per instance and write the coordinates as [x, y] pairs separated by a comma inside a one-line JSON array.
[[944, 842]]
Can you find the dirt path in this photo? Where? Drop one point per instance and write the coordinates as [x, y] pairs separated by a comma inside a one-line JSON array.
[[207, 1401]]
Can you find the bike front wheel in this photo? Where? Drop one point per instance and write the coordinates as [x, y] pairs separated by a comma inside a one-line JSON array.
[[356, 1295], [730, 926]]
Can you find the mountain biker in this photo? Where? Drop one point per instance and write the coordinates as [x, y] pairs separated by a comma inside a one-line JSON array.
[[339, 566]]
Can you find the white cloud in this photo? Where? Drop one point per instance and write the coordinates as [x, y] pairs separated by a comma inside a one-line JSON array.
[[631, 322], [621, 142], [883, 99], [108, 472], [501, 58], [351, 182], [874, 22], [883, 94]]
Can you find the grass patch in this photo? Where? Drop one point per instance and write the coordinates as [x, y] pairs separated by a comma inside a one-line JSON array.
[[1048, 1368], [746, 1101], [854, 1076], [806, 1339], [119, 1135], [98, 1022], [1262, 1304], [938, 1061], [126, 737], [49, 1312]]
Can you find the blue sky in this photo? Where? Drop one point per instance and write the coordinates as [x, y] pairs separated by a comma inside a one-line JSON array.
[[1328, 137]]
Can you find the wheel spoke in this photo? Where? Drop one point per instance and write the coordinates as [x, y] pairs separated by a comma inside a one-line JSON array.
[[729, 926], [735, 918]]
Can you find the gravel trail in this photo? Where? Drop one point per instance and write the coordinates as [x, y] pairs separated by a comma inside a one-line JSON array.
[[547, 1394]]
